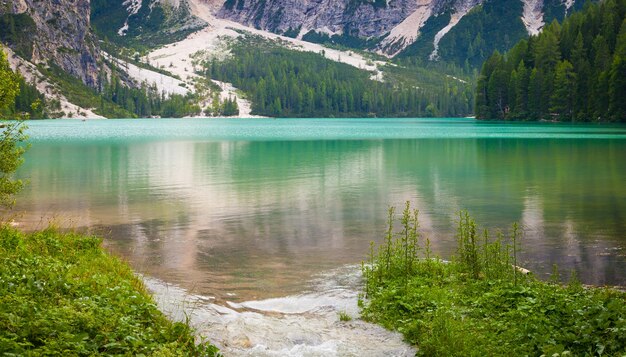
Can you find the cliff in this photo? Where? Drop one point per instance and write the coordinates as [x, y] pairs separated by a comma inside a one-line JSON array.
[[391, 26], [53, 32]]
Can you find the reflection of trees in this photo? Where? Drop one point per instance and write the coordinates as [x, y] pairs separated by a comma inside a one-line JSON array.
[[254, 213], [568, 194]]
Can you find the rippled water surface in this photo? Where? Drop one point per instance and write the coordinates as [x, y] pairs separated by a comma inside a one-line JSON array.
[[249, 210]]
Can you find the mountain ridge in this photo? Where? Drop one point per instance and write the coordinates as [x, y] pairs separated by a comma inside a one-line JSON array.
[[393, 25]]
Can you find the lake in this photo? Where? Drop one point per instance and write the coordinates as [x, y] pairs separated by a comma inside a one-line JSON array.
[[252, 218], [253, 208]]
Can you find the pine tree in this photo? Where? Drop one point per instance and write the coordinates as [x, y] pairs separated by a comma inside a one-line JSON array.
[[572, 72], [521, 92], [563, 97], [617, 78]]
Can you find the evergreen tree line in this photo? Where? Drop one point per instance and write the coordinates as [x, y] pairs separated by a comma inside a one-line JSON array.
[[570, 72], [288, 83], [115, 100], [146, 101]]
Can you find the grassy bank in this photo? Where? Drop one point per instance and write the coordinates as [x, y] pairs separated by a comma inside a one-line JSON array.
[[478, 304], [62, 294]]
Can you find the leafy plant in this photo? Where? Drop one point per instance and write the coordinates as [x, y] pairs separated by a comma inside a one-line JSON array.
[[12, 148], [61, 294], [11, 135]]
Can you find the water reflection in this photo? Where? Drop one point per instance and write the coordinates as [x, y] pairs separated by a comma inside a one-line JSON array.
[[258, 218]]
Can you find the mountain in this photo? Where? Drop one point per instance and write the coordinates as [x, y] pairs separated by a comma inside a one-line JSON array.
[[132, 54], [460, 31], [56, 32], [452, 30]]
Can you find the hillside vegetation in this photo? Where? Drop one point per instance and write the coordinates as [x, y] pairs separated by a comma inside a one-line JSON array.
[[155, 22], [288, 83], [570, 72]]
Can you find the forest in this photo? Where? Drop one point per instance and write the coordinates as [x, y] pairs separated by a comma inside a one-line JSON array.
[[574, 71], [288, 83]]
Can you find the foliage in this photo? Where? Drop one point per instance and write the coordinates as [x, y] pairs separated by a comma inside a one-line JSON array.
[[29, 104], [449, 89], [62, 294], [12, 148], [117, 100], [570, 72], [479, 304], [556, 10], [78, 93], [227, 108], [17, 30], [288, 83], [146, 101], [493, 25], [9, 88], [11, 135], [344, 39]]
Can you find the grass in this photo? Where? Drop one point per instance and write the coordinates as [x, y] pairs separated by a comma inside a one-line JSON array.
[[62, 294], [479, 304], [344, 316]]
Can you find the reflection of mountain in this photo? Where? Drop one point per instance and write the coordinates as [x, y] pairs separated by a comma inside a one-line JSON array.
[[262, 215]]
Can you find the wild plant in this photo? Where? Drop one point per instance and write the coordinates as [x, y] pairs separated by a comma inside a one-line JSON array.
[[467, 247], [479, 256], [487, 258], [396, 257]]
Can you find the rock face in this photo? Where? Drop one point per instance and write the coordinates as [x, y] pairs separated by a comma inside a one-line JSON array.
[[390, 25], [62, 35], [394, 24], [359, 18]]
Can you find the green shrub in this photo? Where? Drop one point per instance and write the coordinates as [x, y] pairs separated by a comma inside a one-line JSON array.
[[61, 294]]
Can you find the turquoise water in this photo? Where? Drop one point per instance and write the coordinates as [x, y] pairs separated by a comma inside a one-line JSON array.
[[313, 129], [255, 207]]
